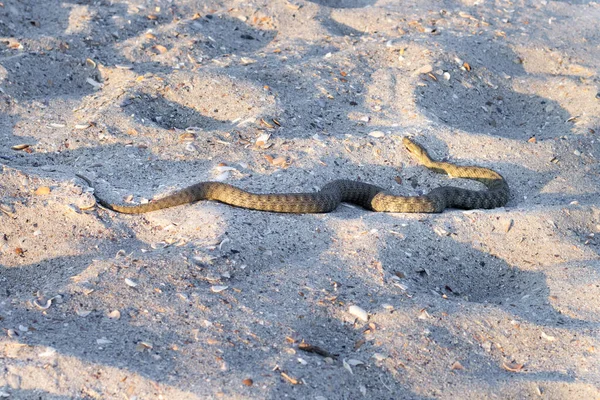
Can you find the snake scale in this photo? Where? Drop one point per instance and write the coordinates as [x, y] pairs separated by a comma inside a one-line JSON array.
[[332, 194]]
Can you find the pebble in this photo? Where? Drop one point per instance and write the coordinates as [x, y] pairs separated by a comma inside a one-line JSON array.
[[377, 134], [358, 313], [425, 69], [577, 152]]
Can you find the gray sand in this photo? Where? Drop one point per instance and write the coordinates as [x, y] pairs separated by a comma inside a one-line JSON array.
[[209, 301]]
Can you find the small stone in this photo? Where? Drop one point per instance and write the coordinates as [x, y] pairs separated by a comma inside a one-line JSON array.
[[43, 190], [248, 382]]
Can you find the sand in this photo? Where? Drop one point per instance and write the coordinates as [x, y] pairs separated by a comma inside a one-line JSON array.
[[210, 301]]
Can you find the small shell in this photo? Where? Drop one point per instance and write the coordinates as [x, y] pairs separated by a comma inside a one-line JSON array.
[[191, 148], [379, 356], [115, 314], [358, 313], [262, 139], [377, 134], [141, 346], [42, 190], [347, 366], [20, 146], [353, 362], [424, 70], [218, 289], [223, 168], [50, 351], [44, 306], [95, 84], [90, 62], [83, 313], [222, 176], [193, 129], [130, 283], [187, 136]]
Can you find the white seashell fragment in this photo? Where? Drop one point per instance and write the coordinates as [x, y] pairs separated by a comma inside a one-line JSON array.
[[115, 314], [44, 306], [95, 84], [548, 337], [247, 121], [223, 168], [377, 134], [193, 129], [191, 148], [218, 289], [347, 366], [247, 61], [425, 69], [224, 241], [50, 351], [83, 313], [379, 356], [130, 283], [103, 340], [353, 362], [262, 139], [222, 177], [358, 313]]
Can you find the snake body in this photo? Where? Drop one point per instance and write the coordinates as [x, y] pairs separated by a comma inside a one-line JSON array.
[[332, 194]]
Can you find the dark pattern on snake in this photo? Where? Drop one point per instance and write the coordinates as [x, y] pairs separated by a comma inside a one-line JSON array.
[[331, 195]]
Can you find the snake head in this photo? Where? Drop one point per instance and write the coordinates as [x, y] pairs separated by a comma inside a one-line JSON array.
[[412, 147], [416, 150]]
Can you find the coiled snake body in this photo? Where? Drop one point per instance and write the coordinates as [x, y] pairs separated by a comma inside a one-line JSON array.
[[332, 194]]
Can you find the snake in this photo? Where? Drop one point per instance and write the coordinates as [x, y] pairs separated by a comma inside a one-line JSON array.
[[366, 195]]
